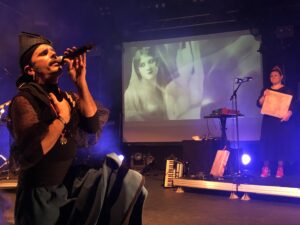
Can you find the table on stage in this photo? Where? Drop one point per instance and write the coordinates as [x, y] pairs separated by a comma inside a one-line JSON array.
[[223, 118]]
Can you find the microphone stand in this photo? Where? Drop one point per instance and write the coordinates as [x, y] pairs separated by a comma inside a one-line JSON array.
[[233, 98]]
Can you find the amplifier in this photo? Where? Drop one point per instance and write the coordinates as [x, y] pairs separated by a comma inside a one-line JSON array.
[[200, 155]]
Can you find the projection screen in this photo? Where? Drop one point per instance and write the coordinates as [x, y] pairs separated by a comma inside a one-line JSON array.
[[170, 85]]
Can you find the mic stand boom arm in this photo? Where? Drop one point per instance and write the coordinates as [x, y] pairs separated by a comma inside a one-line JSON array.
[[234, 92]]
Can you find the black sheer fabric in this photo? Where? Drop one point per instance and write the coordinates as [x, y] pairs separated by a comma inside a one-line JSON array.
[[277, 137], [30, 115]]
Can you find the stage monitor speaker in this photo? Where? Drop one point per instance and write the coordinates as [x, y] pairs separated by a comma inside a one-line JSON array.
[[200, 155]]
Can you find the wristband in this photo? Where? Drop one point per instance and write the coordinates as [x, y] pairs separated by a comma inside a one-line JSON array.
[[62, 120]]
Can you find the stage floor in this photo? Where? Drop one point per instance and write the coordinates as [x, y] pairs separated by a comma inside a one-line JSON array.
[[195, 206], [165, 206]]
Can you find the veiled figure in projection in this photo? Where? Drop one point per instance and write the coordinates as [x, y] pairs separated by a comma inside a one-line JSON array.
[[144, 99]]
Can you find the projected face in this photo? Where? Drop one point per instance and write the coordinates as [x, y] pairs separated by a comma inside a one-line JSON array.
[[275, 77], [147, 67]]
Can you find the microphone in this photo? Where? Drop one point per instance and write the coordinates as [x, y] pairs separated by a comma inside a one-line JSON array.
[[242, 80], [79, 51]]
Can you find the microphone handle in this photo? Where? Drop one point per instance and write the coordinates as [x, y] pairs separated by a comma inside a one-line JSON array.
[[78, 51]]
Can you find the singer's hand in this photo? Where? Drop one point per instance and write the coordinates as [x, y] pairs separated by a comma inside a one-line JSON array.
[[61, 108], [76, 66]]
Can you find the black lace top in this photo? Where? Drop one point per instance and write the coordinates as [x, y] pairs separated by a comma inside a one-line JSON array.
[[29, 117]]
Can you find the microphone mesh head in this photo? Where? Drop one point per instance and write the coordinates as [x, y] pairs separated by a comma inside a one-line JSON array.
[[60, 59]]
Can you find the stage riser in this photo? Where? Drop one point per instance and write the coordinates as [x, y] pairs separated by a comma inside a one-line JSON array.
[[242, 188]]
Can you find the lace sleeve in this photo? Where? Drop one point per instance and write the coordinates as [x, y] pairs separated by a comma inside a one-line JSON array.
[[93, 124], [27, 131], [91, 128], [23, 117]]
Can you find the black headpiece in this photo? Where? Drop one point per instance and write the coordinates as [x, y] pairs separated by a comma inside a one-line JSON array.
[[28, 42]]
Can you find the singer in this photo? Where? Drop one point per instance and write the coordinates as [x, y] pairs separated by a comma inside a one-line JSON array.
[[45, 123], [276, 133]]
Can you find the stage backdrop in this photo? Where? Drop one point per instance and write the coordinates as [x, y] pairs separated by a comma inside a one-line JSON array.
[[169, 85]]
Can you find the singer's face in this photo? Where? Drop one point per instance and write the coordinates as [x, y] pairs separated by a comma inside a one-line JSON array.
[[275, 77], [148, 67], [46, 64]]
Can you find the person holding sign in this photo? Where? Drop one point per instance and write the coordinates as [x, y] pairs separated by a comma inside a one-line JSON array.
[[277, 110]]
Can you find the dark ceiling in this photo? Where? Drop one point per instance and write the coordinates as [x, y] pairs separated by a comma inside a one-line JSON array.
[[129, 18], [108, 23], [165, 16]]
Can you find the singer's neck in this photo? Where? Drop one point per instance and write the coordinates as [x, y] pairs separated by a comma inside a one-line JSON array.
[[52, 88]]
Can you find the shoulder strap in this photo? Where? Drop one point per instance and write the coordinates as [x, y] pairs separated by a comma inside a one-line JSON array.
[[36, 91], [31, 100]]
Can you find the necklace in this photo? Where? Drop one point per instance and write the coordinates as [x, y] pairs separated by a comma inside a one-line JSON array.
[[63, 140]]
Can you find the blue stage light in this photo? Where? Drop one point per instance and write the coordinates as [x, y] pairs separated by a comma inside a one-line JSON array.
[[246, 159]]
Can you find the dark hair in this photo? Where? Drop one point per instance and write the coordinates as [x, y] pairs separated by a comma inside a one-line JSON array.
[[24, 78], [145, 51], [28, 43], [25, 59], [277, 69], [162, 76]]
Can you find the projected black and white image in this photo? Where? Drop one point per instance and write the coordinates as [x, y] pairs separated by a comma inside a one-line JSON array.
[[166, 83], [144, 96], [175, 80]]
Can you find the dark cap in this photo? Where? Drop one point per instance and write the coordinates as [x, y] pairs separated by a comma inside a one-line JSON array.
[[28, 42]]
